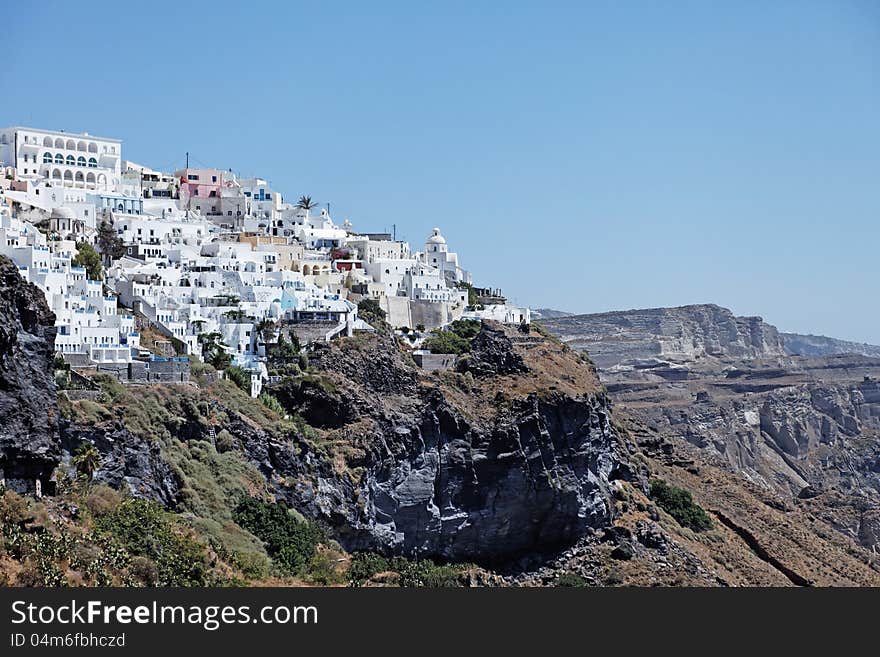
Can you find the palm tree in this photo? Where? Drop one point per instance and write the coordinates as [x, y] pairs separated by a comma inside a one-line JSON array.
[[306, 203], [87, 460]]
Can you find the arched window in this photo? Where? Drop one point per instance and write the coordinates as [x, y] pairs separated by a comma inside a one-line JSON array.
[[59, 158], [79, 176], [68, 175], [120, 207], [71, 145], [59, 143], [81, 146], [90, 177], [47, 141], [80, 161], [47, 158], [93, 163], [93, 147], [56, 174], [71, 161]]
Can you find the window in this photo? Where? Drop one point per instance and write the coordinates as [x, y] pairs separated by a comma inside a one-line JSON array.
[[213, 178], [93, 163], [192, 176], [59, 158], [80, 161], [47, 158]]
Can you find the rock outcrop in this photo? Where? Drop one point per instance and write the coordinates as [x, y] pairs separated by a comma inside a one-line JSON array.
[[682, 334], [817, 346], [29, 445], [433, 469]]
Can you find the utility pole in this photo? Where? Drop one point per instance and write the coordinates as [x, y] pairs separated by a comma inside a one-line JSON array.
[[394, 229], [187, 159]]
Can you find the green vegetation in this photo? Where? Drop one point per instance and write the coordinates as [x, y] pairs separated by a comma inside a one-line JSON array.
[[87, 460], [87, 257], [290, 542], [370, 311], [571, 579], [285, 351], [143, 529], [678, 503], [213, 351], [270, 402], [472, 295], [424, 573], [110, 244], [239, 377], [454, 340]]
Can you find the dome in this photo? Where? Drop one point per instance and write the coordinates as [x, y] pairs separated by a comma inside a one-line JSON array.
[[436, 237], [63, 213]]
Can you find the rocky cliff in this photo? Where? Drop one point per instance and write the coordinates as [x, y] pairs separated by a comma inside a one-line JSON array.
[[797, 344], [29, 445], [682, 334], [483, 464], [510, 460]]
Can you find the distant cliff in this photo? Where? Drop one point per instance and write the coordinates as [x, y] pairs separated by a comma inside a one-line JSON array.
[[682, 334], [820, 345], [29, 445]]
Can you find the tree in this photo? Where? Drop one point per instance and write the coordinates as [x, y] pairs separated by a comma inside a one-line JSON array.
[[87, 257], [109, 243], [472, 294], [447, 342], [283, 350], [306, 203], [213, 351], [87, 460], [371, 311], [266, 329]]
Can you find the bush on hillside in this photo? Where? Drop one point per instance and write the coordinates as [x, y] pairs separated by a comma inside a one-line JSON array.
[[678, 503], [290, 542]]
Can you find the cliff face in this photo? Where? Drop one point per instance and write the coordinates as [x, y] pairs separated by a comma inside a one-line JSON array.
[[29, 445], [456, 468], [819, 345], [683, 334]]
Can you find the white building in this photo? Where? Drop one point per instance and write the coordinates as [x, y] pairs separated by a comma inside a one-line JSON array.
[[63, 158]]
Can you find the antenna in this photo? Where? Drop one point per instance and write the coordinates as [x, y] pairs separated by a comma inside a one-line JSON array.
[[187, 159]]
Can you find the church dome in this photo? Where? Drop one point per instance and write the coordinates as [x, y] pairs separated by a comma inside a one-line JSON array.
[[436, 237]]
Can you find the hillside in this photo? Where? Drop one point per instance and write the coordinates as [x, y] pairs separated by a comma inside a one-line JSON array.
[[797, 344], [358, 467]]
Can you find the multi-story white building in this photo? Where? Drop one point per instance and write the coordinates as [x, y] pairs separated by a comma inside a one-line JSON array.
[[63, 158]]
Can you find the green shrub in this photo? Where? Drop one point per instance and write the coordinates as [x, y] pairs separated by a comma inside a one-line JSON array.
[[144, 529], [571, 579], [13, 508], [678, 503], [371, 311], [239, 377], [446, 342], [364, 565], [422, 573], [291, 543], [101, 500], [322, 570], [271, 403]]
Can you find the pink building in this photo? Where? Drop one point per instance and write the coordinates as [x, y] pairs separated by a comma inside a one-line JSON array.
[[199, 188]]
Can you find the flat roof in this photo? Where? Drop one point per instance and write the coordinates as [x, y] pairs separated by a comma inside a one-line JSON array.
[[65, 134]]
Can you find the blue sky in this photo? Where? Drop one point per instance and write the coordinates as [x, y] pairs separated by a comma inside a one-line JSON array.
[[586, 156]]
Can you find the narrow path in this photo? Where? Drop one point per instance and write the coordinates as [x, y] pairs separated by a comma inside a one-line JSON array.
[[760, 551]]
